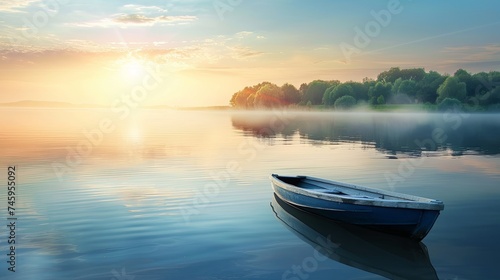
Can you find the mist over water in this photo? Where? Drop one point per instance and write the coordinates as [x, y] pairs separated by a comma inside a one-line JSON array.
[[186, 194], [410, 133]]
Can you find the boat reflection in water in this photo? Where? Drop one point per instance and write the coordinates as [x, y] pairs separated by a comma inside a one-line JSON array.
[[387, 255]]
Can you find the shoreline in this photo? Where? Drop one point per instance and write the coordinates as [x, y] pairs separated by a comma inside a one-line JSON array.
[[385, 108]]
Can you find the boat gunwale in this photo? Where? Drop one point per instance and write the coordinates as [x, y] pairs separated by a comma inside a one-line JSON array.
[[407, 201]]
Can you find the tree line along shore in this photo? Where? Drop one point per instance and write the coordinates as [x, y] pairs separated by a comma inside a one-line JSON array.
[[393, 88]]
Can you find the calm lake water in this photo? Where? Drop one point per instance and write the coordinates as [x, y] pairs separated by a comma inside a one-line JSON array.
[[186, 194]]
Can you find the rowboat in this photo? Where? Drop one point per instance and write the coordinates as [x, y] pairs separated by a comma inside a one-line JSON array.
[[395, 213], [390, 256]]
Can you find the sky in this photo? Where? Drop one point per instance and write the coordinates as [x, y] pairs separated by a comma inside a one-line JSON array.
[[200, 52]]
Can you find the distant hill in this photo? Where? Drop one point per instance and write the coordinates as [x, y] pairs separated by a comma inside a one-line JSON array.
[[47, 104], [206, 108], [55, 104]]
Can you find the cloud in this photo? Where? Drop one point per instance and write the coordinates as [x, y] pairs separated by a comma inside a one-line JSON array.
[[243, 34], [125, 20], [132, 8], [474, 53], [247, 34], [139, 19], [15, 6], [133, 18], [218, 50], [240, 52]]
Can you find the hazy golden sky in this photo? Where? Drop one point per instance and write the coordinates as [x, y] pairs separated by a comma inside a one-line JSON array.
[[100, 51]]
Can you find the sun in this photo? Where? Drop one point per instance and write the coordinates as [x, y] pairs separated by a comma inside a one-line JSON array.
[[132, 68], [134, 135]]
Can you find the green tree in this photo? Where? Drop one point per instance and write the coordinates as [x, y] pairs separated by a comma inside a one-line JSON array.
[[360, 90], [246, 97], [396, 85], [427, 87], [337, 92], [492, 97], [240, 98], [251, 101], [494, 77], [393, 86], [484, 84], [381, 100], [380, 89], [367, 80], [345, 102], [399, 96], [451, 88], [269, 96], [414, 74], [327, 96], [291, 94], [450, 104], [408, 87], [302, 90], [470, 82], [404, 91], [367, 83], [390, 76], [315, 91]]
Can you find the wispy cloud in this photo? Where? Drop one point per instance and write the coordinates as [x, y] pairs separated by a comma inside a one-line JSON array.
[[141, 19], [15, 6], [126, 20], [132, 8], [248, 35], [243, 34], [241, 52], [474, 53]]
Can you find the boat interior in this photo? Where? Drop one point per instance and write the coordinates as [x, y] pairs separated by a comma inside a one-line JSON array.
[[333, 189]]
